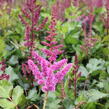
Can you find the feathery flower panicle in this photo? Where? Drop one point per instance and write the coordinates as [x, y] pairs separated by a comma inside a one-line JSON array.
[[60, 75], [48, 74], [39, 58], [89, 41], [30, 17], [53, 48], [58, 65]]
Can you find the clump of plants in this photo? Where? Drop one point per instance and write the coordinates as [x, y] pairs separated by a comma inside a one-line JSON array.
[[54, 54]]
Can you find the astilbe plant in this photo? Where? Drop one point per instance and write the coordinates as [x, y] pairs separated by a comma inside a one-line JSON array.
[[92, 4], [89, 41], [54, 49], [87, 22], [30, 18], [48, 72]]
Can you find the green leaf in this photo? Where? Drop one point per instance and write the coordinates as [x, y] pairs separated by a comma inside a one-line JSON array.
[[53, 101], [90, 106], [13, 60], [83, 70], [106, 38], [11, 73], [32, 95], [6, 104], [5, 88], [71, 40], [95, 64], [18, 96], [106, 85], [105, 51], [94, 95]]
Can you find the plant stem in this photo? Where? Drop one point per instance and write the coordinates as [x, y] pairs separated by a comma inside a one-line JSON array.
[[62, 91], [107, 21], [75, 85], [45, 100]]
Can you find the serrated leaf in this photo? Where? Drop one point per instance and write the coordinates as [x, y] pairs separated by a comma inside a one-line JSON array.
[[95, 64], [5, 89], [54, 104], [94, 95], [53, 101], [32, 95]]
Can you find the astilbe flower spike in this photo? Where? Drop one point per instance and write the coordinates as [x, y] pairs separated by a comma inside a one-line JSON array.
[[89, 41], [53, 48], [47, 74], [30, 17]]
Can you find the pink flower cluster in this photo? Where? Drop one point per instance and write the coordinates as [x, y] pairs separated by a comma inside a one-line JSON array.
[[3, 65], [53, 49], [4, 76], [25, 69], [47, 74]]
